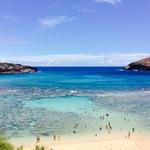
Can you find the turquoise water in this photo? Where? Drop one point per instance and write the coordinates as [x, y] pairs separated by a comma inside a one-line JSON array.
[[56, 98], [62, 104]]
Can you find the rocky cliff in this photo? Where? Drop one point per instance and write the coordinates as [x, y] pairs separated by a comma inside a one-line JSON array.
[[141, 65], [9, 68]]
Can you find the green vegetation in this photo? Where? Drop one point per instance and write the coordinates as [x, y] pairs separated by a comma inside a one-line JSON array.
[[5, 145], [20, 148], [39, 148]]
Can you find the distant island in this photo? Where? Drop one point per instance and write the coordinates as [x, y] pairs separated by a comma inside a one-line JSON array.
[[141, 65], [10, 68]]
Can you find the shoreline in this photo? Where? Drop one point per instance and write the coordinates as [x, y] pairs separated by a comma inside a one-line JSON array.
[[86, 142]]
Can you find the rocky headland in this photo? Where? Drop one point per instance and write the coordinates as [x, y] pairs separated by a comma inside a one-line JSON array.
[[10, 68], [141, 65]]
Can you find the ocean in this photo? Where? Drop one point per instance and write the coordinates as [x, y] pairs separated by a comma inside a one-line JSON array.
[[53, 100]]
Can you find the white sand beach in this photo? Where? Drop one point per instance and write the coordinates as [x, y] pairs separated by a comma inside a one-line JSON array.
[[103, 142]]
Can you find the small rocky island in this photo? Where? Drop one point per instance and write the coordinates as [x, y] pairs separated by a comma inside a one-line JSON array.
[[141, 65], [10, 68]]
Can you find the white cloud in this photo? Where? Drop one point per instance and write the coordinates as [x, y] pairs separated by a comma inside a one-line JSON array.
[[111, 59], [9, 17], [12, 40], [113, 2], [54, 21]]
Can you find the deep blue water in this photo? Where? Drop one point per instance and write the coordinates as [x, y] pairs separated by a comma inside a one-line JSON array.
[[101, 78]]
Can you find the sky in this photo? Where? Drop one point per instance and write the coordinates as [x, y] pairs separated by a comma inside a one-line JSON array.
[[74, 32]]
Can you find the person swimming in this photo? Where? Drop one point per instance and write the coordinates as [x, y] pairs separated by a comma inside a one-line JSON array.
[[74, 131], [107, 115], [100, 128]]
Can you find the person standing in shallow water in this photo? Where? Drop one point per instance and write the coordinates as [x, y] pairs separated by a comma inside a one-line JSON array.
[[37, 139], [133, 129], [129, 134], [54, 137], [58, 137], [106, 127]]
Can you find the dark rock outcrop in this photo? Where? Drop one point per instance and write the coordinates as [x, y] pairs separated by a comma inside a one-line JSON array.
[[141, 65], [9, 68]]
